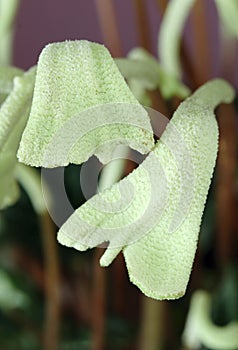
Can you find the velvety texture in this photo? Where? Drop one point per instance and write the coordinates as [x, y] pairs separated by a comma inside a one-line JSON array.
[[157, 229], [82, 102]]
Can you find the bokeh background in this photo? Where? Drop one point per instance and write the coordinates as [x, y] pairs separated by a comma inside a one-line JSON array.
[[95, 308]]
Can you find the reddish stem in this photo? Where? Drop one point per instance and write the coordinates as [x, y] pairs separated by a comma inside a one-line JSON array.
[[142, 22], [202, 61], [108, 25], [52, 284], [226, 183], [162, 4], [98, 302]]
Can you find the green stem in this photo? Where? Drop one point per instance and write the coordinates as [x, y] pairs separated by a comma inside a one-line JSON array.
[[8, 11], [30, 181], [113, 171], [151, 329], [185, 54]]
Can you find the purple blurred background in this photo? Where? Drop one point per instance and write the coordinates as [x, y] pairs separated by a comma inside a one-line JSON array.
[[44, 21]]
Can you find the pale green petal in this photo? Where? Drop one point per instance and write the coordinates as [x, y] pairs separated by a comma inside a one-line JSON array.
[[228, 12], [168, 84], [170, 35], [147, 74], [200, 329], [158, 262], [144, 72], [140, 75], [15, 105], [140, 92], [9, 191], [167, 258], [140, 84], [13, 117], [75, 82], [7, 74], [8, 188]]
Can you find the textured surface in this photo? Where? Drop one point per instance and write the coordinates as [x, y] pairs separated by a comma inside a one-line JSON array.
[[200, 329], [7, 74], [8, 186], [75, 82], [13, 117], [13, 107], [170, 186]]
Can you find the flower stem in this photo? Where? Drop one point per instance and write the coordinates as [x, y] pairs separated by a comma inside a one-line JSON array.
[[99, 303], [151, 330], [162, 4], [8, 10], [226, 184], [52, 283], [107, 20], [142, 21], [185, 54], [30, 181], [202, 48]]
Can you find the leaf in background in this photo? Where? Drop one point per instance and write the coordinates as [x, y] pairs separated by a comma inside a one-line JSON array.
[[170, 35], [200, 329], [169, 187], [10, 297], [79, 89]]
